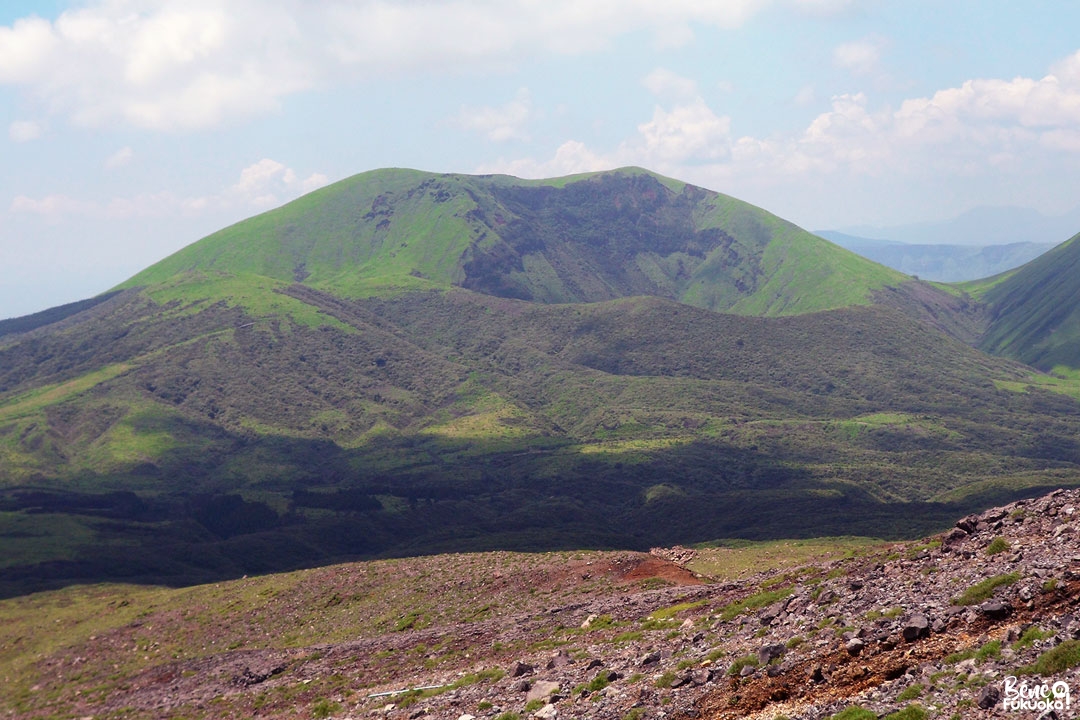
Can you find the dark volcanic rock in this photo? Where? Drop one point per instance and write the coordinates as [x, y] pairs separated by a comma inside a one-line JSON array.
[[989, 697], [770, 652], [995, 609], [917, 626]]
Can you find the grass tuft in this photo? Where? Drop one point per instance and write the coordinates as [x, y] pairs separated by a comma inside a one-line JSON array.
[[985, 589], [1059, 659], [754, 602], [997, 545]]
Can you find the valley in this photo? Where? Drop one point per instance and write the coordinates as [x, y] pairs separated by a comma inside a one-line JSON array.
[[548, 370], [599, 446]]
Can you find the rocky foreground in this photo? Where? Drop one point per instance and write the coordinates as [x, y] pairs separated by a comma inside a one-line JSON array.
[[981, 621]]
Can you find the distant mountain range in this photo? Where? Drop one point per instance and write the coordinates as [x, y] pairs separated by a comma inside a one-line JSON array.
[[980, 226], [942, 263], [982, 242], [406, 362]]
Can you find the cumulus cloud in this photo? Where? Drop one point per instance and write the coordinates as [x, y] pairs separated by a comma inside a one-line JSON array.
[[53, 206], [1029, 103], [268, 183], [261, 185], [974, 138], [158, 65], [24, 131], [686, 133], [499, 124], [190, 64], [570, 158]]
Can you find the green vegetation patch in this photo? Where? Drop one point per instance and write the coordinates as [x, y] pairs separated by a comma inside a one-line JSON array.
[[854, 712], [259, 296], [990, 651], [1032, 635], [983, 590], [1059, 659], [997, 545], [33, 401], [754, 602], [324, 708], [1062, 379], [665, 680], [669, 613], [911, 712], [742, 662]]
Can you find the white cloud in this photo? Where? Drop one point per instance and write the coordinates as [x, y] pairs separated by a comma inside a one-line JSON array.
[[24, 131], [499, 124], [261, 185], [190, 64], [1048, 102], [160, 65], [860, 57], [687, 133], [119, 158], [53, 207], [665, 83], [25, 49], [972, 141], [268, 183], [393, 36], [570, 158]]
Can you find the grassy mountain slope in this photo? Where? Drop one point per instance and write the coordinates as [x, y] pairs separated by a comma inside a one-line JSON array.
[[578, 239], [405, 363], [1034, 314], [185, 442]]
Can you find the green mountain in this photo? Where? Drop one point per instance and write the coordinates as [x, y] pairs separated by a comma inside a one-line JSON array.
[[1034, 312], [585, 238], [405, 363]]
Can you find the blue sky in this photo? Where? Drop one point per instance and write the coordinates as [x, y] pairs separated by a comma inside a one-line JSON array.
[[130, 128]]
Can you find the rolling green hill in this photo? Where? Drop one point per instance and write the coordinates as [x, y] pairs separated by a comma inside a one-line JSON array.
[[167, 443], [579, 239], [406, 363], [1035, 311]]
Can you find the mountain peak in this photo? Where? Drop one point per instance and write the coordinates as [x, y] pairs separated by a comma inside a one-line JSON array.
[[579, 238]]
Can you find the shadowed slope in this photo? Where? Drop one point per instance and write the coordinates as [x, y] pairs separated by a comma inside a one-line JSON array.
[[406, 362], [180, 443], [1035, 311]]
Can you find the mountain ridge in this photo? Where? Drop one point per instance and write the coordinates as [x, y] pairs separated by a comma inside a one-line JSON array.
[[576, 239], [408, 362]]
